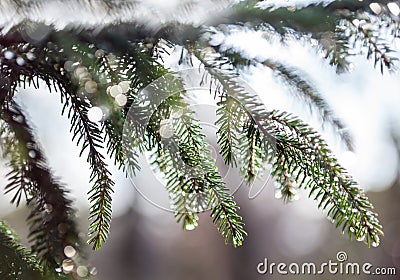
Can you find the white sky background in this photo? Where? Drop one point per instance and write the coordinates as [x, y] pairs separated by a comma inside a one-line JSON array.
[[367, 101]]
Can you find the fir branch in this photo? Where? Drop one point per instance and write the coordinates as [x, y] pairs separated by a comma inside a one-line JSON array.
[[309, 94], [52, 225], [238, 136], [46, 65], [297, 22], [182, 188], [326, 179], [310, 19], [359, 30], [224, 209], [22, 188], [16, 262], [147, 116], [311, 161], [224, 213], [169, 156], [376, 48], [98, 63], [338, 19], [299, 157], [100, 193], [303, 89], [252, 152], [90, 133], [283, 174], [336, 47], [193, 181], [228, 122]]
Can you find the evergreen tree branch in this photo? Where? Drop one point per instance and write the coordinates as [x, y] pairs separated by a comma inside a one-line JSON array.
[[361, 28], [224, 211], [179, 188], [309, 94], [229, 119], [168, 156], [303, 89], [167, 152], [89, 132], [192, 179], [327, 180], [311, 19], [319, 21], [336, 47], [16, 262], [377, 47], [342, 21], [100, 193], [18, 183], [310, 159], [101, 65], [52, 225], [284, 170], [39, 64], [247, 133], [252, 152]]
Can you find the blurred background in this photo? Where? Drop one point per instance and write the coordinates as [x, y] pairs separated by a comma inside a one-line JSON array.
[[146, 242]]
